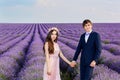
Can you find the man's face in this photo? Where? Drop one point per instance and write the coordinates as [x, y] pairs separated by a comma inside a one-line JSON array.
[[88, 27]]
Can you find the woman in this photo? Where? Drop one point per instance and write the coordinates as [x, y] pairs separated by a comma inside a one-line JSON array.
[[52, 52]]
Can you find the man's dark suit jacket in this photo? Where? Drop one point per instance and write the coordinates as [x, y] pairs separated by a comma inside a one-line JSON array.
[[89, 51]]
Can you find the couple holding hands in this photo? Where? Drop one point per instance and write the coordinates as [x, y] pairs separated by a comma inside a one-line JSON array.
[[89, 45]]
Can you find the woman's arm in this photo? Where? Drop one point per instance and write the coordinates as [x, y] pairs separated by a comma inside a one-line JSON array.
[[64, 58], [47, 58]]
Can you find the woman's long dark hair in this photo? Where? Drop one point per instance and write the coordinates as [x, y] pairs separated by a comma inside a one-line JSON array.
[[50, 43]]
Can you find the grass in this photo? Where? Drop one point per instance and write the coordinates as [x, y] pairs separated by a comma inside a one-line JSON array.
[[3, 77]]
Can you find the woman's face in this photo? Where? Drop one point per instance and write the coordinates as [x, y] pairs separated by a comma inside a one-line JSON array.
[[54, 35]]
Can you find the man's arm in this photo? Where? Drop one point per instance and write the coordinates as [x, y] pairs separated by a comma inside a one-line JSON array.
[[98, 47], [79, 47]]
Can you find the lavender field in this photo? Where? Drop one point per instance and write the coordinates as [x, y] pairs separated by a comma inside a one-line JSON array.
[[22, 57]]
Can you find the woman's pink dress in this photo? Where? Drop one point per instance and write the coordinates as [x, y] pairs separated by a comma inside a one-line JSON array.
[[54, 65]]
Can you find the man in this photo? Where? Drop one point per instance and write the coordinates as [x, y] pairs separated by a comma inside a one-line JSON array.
[[90, 48]]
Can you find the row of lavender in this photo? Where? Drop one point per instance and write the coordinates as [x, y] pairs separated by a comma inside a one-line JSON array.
[[26, 59], [12, 37], [12, 58], [34, 60]]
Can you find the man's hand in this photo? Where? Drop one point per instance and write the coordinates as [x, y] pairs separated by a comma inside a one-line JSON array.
[[73, 63], [93, 63]]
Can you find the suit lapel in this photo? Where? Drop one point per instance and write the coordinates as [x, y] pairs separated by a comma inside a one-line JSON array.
[[84, 39]]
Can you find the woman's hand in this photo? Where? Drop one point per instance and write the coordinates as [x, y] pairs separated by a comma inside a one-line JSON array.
[[49, 72]]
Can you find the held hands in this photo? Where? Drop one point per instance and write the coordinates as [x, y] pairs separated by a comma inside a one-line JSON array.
[[93, 63], [73, 64]]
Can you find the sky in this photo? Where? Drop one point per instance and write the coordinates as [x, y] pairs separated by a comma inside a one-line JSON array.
[[59, 11]]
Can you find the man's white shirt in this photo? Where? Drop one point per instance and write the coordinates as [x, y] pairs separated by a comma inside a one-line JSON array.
[[87, 34]]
